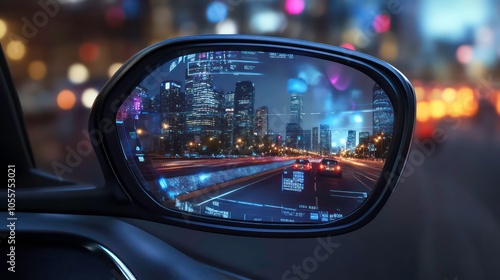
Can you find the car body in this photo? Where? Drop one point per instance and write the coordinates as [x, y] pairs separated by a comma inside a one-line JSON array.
[[302, 164], [329, 167]]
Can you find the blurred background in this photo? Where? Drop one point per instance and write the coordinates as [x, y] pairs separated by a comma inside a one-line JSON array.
[[61, 52]]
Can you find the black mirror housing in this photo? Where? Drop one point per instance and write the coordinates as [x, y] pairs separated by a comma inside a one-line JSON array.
[[125, 162]]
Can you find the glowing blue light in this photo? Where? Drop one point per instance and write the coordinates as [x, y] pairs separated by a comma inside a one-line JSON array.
[[296, 86], [163, 183], [216, 12], [358, 119], [203, 177], [460, 17]]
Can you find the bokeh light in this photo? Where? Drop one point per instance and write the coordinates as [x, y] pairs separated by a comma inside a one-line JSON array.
[[465, 54], [88, 97], [498, 102], [3, 28], [267, 21], [227, 26], [15, 50], [88, 52], [381, 23], [423, 111], [294, 7], [78, 73], [66, 99], [216, 12], [449, 95], [113, 68], [438, 109], [296, 86], [348, 46], [37, 70]]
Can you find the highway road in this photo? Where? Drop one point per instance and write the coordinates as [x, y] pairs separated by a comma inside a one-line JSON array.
[[288, 195]]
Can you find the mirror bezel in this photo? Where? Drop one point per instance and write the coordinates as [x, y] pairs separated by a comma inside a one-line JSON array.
[[116, 168]]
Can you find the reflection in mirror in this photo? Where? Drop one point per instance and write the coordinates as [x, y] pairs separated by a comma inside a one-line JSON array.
[[257, 136]]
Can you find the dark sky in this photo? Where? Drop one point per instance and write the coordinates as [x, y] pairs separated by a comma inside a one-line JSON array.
[[334, 94]]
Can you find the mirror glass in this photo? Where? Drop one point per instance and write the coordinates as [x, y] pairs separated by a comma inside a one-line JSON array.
[[257, 136]]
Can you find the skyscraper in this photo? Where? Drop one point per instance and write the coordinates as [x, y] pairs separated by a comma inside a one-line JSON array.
[[244, 100], [305, 141], [293, 135], [228, 126], [203, 103], [325, 139], [172, 117], [296, 108], [351, 140], [261, 121], [315, 142], [364, 137], [383, 112]]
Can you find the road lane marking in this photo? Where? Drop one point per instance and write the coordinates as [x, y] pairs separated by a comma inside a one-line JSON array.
[[348, 192], [229, 192], [258, 204], [347, 196], [361, 182]]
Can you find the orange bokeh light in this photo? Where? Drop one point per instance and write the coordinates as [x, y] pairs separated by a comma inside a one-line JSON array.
[[423, 111], [66, 99]]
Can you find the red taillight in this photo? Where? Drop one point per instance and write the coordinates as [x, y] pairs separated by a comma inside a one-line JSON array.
[[296, 165], [321, 166], [338, 168]]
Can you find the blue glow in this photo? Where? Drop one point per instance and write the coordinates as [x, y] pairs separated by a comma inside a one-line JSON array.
[[190, 183], [204, 177], [163, 183], [171, 194], [357, 119], [453, 19], [216, 12], [296, 86]]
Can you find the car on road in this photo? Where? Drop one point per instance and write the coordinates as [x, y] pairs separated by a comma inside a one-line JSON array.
[[329, 167], [302, 164]]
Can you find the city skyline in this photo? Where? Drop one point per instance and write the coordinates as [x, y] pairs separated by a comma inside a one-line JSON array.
[[212, 97]]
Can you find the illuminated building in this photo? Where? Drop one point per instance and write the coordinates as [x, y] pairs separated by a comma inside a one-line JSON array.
[[293, 135], [261, 121], [383, 112], [325, 139], [203, 103], [228, 122], [351, 140], [244, 100], [305, 141], [364, 137], [172, 120], [315, 140], [296, 108]]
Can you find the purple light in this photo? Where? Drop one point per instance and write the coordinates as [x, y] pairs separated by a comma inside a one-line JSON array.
[[339, 77], [294, 7]]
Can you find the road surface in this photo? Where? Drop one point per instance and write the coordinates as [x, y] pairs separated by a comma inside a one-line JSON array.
[[267, 198]]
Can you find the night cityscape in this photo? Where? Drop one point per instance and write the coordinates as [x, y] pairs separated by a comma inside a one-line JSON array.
[[204, 122], [195, 118]]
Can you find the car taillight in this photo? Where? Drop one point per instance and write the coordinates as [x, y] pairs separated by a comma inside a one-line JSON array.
[[321, 166], [295, 165], [338, 168]]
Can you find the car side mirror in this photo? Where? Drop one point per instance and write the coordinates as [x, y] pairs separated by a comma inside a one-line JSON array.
[[256, 135]]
